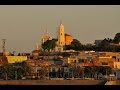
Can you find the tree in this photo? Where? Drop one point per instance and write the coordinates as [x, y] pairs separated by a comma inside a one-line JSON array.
[[89, 47], [43, 72], [75, 45], [49, 44], [77, 71], [104, 45], [21, 69], [90, 71], [116, 38], [14, 71], [104, 70], [9, 71], [26, 68]]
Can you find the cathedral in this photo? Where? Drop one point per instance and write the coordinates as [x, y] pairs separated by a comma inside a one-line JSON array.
[[62, 37]]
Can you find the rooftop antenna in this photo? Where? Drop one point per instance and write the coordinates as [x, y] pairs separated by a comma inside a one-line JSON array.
[[3, 47]]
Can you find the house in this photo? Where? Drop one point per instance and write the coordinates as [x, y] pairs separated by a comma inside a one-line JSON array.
[[14, 59]]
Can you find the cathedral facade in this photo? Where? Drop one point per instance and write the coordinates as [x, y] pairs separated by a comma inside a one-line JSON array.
[[63, 38]]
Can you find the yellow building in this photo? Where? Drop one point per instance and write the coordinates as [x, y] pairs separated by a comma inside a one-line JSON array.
[[117, 62], [111, 59], [14, 59], [117, 65], [70, 60], [106, 61], [63, 38], [61, 35], [68, 39]]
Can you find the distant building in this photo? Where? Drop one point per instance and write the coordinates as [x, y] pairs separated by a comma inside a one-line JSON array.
[[6, 53], [61, 35], [97, 42], [33, 62], [45, 37], [68, 39], [63, 38], [35, 53], [70, 60], [14, 59], [111, 59], [117, 62], [106, 61]]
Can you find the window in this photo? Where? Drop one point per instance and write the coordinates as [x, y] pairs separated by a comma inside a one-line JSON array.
[[104, 63]]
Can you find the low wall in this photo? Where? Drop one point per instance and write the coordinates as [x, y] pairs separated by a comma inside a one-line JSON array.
[[52, 82]]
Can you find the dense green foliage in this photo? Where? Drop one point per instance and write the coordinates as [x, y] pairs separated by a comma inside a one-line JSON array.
[[75, 45], [90, 71], [14, 71], [116, 38], [49, 44]]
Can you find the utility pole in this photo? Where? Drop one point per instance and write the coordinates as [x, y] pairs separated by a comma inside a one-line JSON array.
[[3, 47]]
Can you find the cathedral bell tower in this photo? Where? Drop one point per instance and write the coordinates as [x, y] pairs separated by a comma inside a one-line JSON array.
[[61, 38], [61, 35]]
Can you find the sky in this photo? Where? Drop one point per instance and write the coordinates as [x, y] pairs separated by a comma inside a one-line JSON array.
[[23, 25]]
